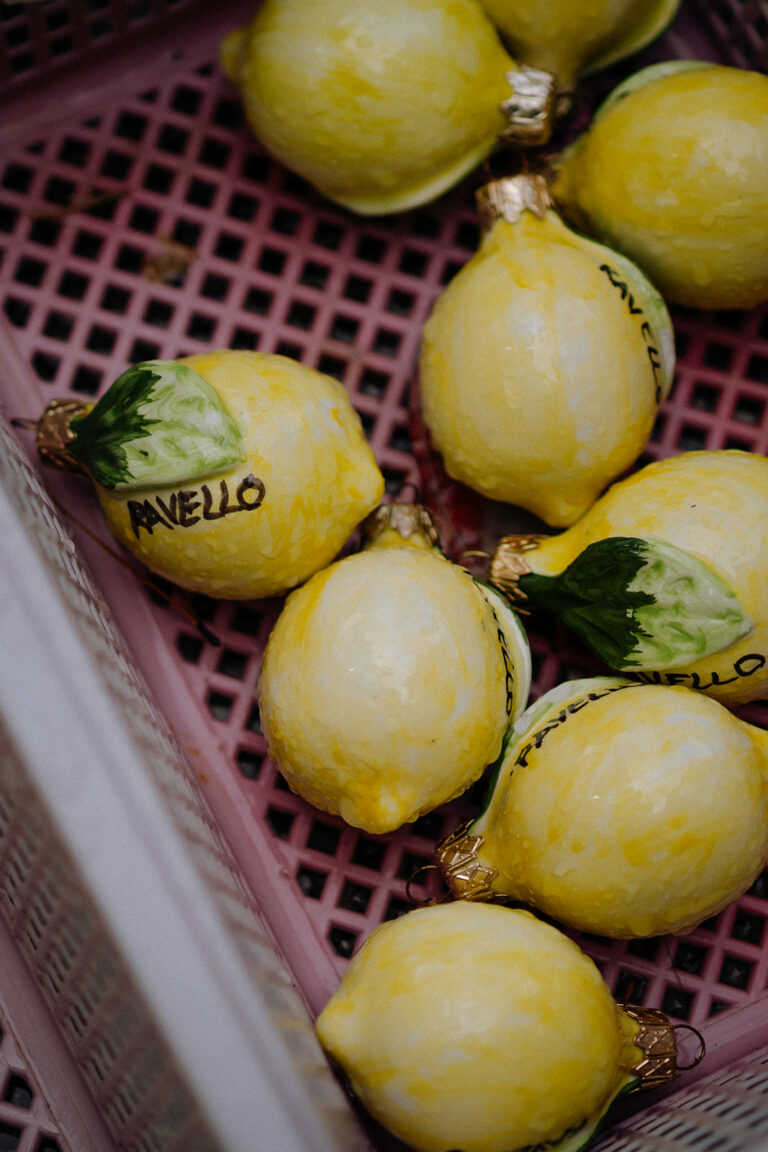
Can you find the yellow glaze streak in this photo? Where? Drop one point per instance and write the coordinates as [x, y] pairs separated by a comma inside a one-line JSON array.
[[303, 439], [382, 692], [675, 175], [476, 1027], [713, 505], [570, 39], [380, 106], [641, 813], [536, 379]]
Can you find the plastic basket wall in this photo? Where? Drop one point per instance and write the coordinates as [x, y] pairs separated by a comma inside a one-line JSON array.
[[139, 218]]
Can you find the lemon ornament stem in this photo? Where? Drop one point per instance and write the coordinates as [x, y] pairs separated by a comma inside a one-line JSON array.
[[673, 172], [544, 361], [482, 1028], [390, 677], [382, 107], [234, 474], [572, 41], [622, 809], [664, 577]]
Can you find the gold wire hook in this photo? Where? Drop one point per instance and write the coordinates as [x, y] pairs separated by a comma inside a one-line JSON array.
[[702, 1046], [417, 901]]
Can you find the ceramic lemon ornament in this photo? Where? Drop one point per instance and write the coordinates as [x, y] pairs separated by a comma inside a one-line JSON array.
[[673, 172], [478, 1027], [390, 678], [380, 106], [544, 361], [573, 40], [620, 809], [664, 577], [235, 474]]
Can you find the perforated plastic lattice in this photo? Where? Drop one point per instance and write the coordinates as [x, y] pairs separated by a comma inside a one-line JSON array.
[[153, 225]]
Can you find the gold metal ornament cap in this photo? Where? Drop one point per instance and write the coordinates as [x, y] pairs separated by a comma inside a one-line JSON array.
[[405, 520], [507, 199], [466, 876], [656, 1040], [532, 107], [54, 434], [508, 564]]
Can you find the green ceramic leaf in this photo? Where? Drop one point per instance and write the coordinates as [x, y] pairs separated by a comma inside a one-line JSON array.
[[160, 423], [642, 604]]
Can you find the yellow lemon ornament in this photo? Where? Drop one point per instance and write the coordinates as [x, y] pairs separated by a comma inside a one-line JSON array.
[[664, 577], [380, 106], [673, 172], [573, 40], [234, 474], [544, 361], [621, 809], [478, 1027], [390, 678]]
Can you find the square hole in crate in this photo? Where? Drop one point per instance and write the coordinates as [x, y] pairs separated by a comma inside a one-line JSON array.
[[87, 244], [324, 838], [332, 366], [256, 166], [286, 221], [30, 271], [17, 178], [158, 178], [200, 327], [130, 258], [143, 350], [227, 113], [747, 927], [253, 722], [735, 972], [342, 940], [645, 948], [272, 260], [280, 821], [158, 313], [10, 1137], [328, 234], [200, 193], [450, 268], [355, 897], [749, 410], [246, 620], [400, 302], [115, 299], [372, 249], [718, 1006], [429, 826], [172, 139], [249, 762], [397, 906], [760, 886], [131, 125], [144, 219], [214, 153], [232, 663], [17, 311], [289, 349], [186, 100], [242, 207], [215, 287], [190, 647], [258, 300], [45, 365], [757, 368], [630, 987], [413, 262], [677, 1002], [705, 396], [314, 275], [410, 864], [311, 881], [220, 706], [301, 315], [8, 218], [58, 325], [369, 853], [18, 1091], [59, 191], [400, 440], [373, 382], [718, 356], [245, 340], [116, 165], [344, 329], [692, 438], [690, 958], [86, 380], [74, 151], [358, 288], [467, 235]]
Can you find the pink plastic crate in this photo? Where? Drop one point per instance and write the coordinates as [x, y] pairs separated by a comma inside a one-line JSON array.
[[139, 218]]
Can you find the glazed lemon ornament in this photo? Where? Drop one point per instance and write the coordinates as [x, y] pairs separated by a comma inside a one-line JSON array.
[[380, 106], [390, 678], [664, 577], [621, 809], [544, 361], [234, 474], [572, 40], [673, 172], [478, 1027]]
